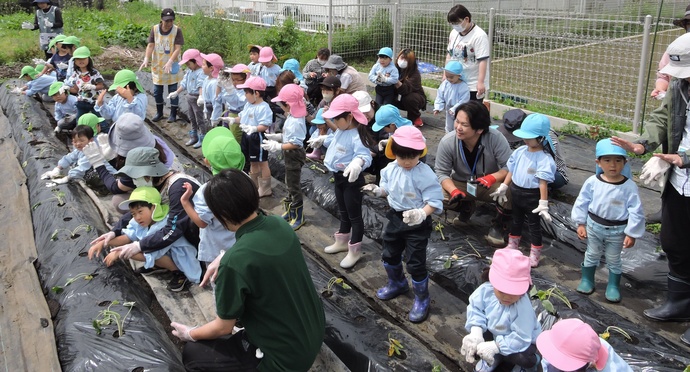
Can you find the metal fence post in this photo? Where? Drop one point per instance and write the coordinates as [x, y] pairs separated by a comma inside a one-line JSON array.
[[330, 25], [492, 26], [396, 28], [641, 80]]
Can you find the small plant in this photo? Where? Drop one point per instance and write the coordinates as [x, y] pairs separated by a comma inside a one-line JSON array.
[[439, 227], [59, 196], [436, 368], [687, 369], [107, 317], [545, 295], [87, 276], [335, 280], [654, 228], [607, 334], [72, 233], [454, 257], [394, 346], [30, 127]]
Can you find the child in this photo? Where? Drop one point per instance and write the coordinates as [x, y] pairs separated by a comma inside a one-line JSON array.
[[48, 20], [34, 83], [608, 213], [572, 345], [94, 122], [192, 82], [211, 66], [530, 169], [234, 99], [268, 71], [220, 151], [502, 324], [131, 97], [65, 106], [452, 93], [388, 118], [413, 193], [293, 66], [59, 61], [385, 75], [291, 100], [314, 74], [254, 64], [330, 88], [348, 153], [148, 216], [81, 136], [85, 81]]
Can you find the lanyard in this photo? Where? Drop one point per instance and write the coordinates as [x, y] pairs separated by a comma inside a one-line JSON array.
[[461, 150]]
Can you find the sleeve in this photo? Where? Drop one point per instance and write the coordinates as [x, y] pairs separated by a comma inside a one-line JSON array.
[[218, 107], [521, 328], [179, 38], [152, 36], [122, 223], [32, 88], [546, 168], [58, 114], [35, 21], [431, 190], [482, 48], [443, 166], [510, 165], [362, 152], [345, 80], [655, 127], [440, 102], [176, 225], [131, 230], [202, 208], [231, 291], [67, 160], [59, 23], [393, 78], [185, 79], [476, 316], [80, 169], [138, 105], [411, 84], [372, 73], [107, 110], [329, 138], [464, 96], [581, 206], [264, 116], [109, 180], [636, 220], [383, 182]]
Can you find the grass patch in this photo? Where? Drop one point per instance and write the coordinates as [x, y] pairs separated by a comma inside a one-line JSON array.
[[654, 228]]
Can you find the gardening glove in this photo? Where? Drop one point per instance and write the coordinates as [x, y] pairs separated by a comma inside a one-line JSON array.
[[227, 119], [48, 23], [212, 270], [16, 90], [57, 127], [51, 173], [88, 86], [128, 250], [58, 181], [215, 123], [181, 331], [69, 118], [353, 169], [105, 238], [271, 146], [316, 142], [27, 25], [654, 170], [470, 342], [274, 136], [414, 217], [104, 145], [62, 66], [487, 350], [249, 129], [93, 154], [380, 79], [487, 181], [200, 101], [455, 196], [543, 210], [172, 95], [382, 144], [499, 195], [372, 190]]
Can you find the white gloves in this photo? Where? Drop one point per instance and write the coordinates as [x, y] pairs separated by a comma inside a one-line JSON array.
[[88, 86], [93, 153], [200, 101], [499, 195], [470, 342], [227, 119], [104, 144], [51, 173], [543, 210], [373, 190], [105, 238], [274, 136], [172, 95], [58, 181], [57, 127], [382, 144], [249, 129], [69, 118], [215, 123], [380, 78], [27, 25], [212, 270], [487, 350], [654, 170], [414, 216], [353, 169], [48, 23], [16, 90], [128, 250], [271, 146], [62, 66], [181, 331], [316, 142]]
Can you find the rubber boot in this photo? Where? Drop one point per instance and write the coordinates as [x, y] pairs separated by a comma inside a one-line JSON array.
[[159, 113], [288, 215], [255, 178], [340, 244], [193, 138], [397, 283], [513, 242], [685, 337], [265, 187], [420, 307], [199, 142], [498, 228], [173, 114], [534, 255], [587, 282], [315, 154], [677, 305], [354, 253], [613, 293], [298, 220]]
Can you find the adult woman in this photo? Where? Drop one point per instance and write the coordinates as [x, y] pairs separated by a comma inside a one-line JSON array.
[[412, 97], [350, 81], [469, 45]]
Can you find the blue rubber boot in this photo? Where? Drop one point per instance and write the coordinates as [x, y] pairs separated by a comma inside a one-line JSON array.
[[420, 308], [613, 293], [289, 213], [587, 282], [298, 219], [198, 144], [397, 283], [193, 138]]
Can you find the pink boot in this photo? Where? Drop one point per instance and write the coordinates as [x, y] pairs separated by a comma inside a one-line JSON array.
[[534, 255], [513, 242], [315, 154]]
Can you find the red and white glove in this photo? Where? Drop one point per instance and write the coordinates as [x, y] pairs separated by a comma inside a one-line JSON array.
[[487, 181]]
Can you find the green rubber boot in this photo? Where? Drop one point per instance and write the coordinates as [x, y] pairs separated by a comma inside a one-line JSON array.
[[587, 282], [613, 292]]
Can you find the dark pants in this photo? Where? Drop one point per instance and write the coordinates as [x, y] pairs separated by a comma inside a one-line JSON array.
[[473, 97], [158, 95], [223, 354], [349, 198], [524, 201], [412, 103], [675, 214], [399, 236], [84, 107], [294, 160], [195, 112], [385, 95], [525, 359]]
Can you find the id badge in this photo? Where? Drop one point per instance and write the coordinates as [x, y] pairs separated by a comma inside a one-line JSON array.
[[472, 188]]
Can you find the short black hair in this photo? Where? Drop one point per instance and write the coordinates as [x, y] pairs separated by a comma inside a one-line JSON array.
[[262, 93], [324, 52], [231, 196], [458, 13], [477, 114], [254, 50], [404, 152], [140, 203], [83, 131], [133, 86]]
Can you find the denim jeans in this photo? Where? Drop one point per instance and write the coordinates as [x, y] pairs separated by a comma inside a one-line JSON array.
[[158, 95], [606, 240]]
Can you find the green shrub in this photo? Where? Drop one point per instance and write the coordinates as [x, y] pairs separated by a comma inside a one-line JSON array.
[[362, 41]]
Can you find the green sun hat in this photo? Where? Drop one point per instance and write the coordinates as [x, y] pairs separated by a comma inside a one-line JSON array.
[[221, 150], [149, 195], [55, 88], [55, 40], [39, 67], [28, 70], [89, 119], [73, 40], [124, 77], [81, 52]]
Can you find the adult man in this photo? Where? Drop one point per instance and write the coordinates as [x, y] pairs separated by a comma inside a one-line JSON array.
[[469, 45]]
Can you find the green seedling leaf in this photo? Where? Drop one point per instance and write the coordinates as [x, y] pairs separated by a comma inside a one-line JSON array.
[[96, 327], [687, 369], [88, 277], [54, 236], [57, 289], [24, 164], [345, 286], [33, 207], [115, 302], [548, 306], [448, 263]]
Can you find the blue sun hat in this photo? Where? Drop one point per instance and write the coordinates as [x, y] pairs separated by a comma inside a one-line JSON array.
[[606, 147], [386, 51], [318, 119], [534, 126], [454, 67], [292, 65], [387, 115]]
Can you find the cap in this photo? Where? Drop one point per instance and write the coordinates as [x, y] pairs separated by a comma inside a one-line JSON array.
[[679, 58], [389, 114], [534, 126], [512, 120], [364, 100], [72, 40], [571, 344], [190, 54], [221, 150], [510, 271], [91, 120], [143, 161], [606, 147], [149, 195], [386, 51], [81, 52], [254, 83], [679, 22], [318, 118], [239, 68], [345, 103], [266, 55], [409, 137], [215, 60], [454, 67], [55, 40], [129, 132], [167, 14], [331, 82], [28, 70], [293, 94], [335, 62], [124, 77], [292, 65], [56, 88]]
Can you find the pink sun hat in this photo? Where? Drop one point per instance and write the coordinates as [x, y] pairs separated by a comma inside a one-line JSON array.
[[254, 83], [570, 344], [408, 136], [510, 270], [215, 60], [266, 55], [293, 95], [190, 54], [345, 103]]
